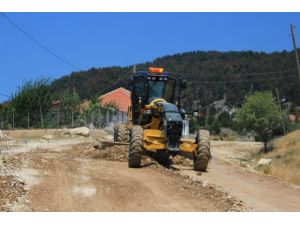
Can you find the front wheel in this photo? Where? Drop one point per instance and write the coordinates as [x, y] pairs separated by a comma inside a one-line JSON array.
[[136, 147], [202, 153]]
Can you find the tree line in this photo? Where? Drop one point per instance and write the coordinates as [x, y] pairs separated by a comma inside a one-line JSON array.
[[192, 66], [35, 105]]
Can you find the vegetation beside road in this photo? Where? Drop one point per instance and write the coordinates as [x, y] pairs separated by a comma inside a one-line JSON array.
[[261, 114], [285, 158]]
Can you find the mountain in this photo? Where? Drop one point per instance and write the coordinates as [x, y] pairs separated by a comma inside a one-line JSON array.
[[210, 74]]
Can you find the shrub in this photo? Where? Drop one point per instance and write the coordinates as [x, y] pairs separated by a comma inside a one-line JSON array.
[[215, 128]]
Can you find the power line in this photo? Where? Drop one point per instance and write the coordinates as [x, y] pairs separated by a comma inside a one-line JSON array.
[[113, 84], [4, 95], [226, 81], [39, 43], [249, 81], [241, 74]]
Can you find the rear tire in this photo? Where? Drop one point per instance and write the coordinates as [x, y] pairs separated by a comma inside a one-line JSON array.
[[121, 133], [202, 153], [136, 147]]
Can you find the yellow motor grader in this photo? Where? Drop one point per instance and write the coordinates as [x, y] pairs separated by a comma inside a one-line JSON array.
[[157, 123]]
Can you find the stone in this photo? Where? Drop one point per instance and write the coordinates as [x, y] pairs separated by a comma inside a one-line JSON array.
[[47, 137], [204, 184], [263, 162], [81, 131]]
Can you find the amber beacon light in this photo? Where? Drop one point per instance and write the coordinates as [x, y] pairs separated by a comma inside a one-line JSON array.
[[156, 70]]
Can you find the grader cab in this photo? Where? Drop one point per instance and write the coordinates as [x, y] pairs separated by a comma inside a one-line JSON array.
[[157, 122]]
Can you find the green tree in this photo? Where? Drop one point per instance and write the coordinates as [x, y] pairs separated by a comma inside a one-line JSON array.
[[6, 114], [214, 128], [32, 97], [70, 105], [261, 114], [225, 120]]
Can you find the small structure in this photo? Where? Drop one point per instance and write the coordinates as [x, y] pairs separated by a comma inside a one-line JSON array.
[[292, 118], [120, 96], [56, 103]]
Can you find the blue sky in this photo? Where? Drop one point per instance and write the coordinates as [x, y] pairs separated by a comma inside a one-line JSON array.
[[105, 39]]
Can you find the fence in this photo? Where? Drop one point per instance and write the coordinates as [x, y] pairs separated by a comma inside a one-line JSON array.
[[6, 142], [100, 118], [106, 119]]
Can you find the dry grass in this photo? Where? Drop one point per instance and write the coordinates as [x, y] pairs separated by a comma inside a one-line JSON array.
[[30, 134], [286, 158]]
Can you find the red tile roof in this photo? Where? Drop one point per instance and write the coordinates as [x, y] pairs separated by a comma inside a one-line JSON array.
[[120, 96], [56, 102]]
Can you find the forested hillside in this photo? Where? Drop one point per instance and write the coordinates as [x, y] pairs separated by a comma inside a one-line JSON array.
[[209, 75]]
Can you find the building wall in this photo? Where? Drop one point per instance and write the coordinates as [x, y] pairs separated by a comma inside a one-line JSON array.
[[120, 96]]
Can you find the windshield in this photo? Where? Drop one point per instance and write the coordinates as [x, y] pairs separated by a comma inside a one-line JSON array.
[[161, 89], [156, 89]]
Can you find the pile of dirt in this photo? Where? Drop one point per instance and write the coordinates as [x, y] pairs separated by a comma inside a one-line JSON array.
[[181, 160], [11, 189], [115, 153], [215, 194], [120, 154]]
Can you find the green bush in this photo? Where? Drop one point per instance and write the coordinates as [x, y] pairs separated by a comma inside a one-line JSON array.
[[260, 113], [225, 120], [292, 126], [215, 128]]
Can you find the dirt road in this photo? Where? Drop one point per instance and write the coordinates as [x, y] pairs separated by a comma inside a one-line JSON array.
[[70, 179], [74, 177], [258, 192]]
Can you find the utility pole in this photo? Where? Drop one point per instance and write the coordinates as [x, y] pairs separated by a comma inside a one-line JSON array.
[[224, 92], [41, 113], [134, 69], [251, 88], [296, 51], [72, 114], [13, 117], [282, 119], [58, 117], [28, 119], [297, 63]]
